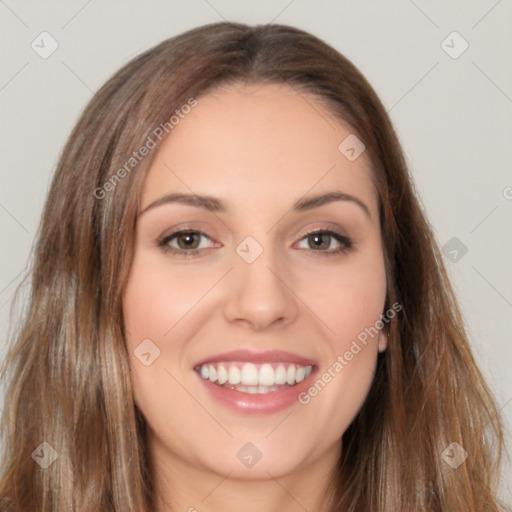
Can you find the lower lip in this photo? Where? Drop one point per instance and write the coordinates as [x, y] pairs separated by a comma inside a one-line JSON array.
[[257, 403]]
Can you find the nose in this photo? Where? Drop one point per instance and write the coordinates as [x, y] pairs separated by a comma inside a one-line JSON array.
[[260, 294]]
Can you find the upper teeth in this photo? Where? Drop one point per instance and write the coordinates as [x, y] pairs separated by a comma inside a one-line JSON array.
[[250, 374]]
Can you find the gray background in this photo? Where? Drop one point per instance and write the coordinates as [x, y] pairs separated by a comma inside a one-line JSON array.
[[452, 115]]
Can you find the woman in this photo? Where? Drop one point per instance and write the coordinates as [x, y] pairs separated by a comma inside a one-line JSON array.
[[237, 302]]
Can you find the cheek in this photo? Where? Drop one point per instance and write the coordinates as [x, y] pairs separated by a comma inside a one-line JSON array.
[[349, 303], [158, 304], [346, 299], [157, 298], [155, 307]]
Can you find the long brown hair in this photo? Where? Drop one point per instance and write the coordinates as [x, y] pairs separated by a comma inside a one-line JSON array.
[[68, 368]]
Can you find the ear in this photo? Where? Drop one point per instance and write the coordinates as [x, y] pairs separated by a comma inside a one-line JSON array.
[[383, 338]]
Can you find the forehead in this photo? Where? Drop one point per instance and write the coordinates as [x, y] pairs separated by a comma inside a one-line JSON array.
[[254, 143]]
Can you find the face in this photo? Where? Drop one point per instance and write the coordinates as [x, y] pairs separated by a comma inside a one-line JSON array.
[[272, 296]]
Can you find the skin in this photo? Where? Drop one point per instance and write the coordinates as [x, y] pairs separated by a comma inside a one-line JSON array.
[[258, 149]]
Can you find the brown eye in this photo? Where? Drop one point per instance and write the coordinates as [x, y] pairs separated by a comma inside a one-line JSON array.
[[320, 241], [189, 240], [184, 243]]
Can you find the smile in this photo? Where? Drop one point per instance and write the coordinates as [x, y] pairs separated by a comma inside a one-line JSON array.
[[254, 378], [251, 382]]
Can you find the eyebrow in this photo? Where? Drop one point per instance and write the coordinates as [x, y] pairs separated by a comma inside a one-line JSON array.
[[216, 205]]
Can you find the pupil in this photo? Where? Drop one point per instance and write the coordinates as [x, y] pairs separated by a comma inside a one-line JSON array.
[[317, 240], [189, 239]]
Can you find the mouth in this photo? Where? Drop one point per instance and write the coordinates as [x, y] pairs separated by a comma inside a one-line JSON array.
[[254, 378], [256, 382]]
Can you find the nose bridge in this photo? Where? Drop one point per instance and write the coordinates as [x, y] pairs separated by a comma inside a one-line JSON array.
[[257, 293]]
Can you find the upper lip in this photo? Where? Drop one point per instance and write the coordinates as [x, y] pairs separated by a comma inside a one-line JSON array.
[[249, 356]]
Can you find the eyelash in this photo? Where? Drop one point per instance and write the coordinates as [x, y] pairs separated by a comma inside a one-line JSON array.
[[346, 244]]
